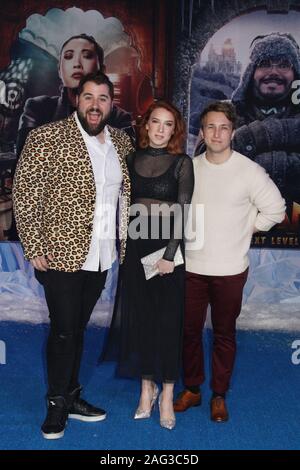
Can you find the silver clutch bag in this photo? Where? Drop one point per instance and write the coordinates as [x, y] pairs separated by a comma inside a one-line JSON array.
[[149, 261]]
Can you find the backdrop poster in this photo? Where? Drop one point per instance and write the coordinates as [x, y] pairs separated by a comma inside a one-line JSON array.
[[37, 85], [249, 56]]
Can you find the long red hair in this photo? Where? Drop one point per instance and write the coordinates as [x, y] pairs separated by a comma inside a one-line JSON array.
[[177, 141]]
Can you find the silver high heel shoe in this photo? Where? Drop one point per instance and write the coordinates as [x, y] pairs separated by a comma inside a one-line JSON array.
[[142, 414], [166, 423]]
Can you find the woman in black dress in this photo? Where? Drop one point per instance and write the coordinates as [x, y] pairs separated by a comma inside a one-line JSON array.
[[152, 310]]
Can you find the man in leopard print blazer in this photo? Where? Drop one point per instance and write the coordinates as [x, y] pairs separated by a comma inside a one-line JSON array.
[[66, 192]]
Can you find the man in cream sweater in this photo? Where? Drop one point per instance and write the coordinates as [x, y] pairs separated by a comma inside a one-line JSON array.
[[239, 198]]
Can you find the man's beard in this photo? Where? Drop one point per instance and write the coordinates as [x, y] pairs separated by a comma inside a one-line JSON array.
[[272, 97], [94, 129]]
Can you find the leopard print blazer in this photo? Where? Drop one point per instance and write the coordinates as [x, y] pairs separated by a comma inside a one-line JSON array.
[[54, 194]]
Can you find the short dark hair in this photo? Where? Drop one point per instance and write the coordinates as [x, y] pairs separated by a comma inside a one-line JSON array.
[[220, 107], [98, 49], [96, 77]]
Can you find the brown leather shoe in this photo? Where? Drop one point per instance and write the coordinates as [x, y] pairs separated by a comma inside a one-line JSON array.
[[186, 399], [218, 410]]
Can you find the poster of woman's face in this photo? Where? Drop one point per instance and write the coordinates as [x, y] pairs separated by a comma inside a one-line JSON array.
[[50, 56]]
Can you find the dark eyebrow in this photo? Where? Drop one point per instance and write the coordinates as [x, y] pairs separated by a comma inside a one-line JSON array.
[[88, 50], [103, 95], [169, 121], [82, 50]]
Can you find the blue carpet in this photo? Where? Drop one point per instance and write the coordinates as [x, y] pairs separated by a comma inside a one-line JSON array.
[[263, 400]]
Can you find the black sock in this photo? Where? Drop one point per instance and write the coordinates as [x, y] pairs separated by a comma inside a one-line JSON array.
[[194, 388], [215, 394]]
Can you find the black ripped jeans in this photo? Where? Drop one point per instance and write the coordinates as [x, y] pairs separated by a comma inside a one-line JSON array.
[[71, 298]]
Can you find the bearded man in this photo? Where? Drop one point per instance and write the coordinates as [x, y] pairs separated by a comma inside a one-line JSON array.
[[66, 190], [268, 127]]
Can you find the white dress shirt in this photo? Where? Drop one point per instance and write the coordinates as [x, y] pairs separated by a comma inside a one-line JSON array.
[[108, 179]]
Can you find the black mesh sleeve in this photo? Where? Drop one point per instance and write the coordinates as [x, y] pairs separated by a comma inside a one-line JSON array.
[[185, 177]]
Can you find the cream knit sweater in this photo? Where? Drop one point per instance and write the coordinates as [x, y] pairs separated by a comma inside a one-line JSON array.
[[237, 196]]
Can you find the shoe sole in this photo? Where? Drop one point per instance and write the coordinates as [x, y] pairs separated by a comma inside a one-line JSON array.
[[191, 406], [142, 417], [87, 419], [219, 420], [53, 435]]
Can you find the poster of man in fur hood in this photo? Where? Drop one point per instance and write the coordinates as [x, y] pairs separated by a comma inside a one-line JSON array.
[[260, 78]]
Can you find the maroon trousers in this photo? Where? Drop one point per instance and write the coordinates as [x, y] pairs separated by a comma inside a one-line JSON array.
[[224, 294]]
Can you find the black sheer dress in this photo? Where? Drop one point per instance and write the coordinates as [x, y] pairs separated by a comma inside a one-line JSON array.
[[149, 313]]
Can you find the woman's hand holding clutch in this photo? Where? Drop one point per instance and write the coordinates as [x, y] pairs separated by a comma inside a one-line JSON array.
[[165, 267], [154, 263]]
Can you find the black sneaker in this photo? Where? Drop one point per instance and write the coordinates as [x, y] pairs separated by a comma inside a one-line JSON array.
[[83, 411], [56, 419]]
